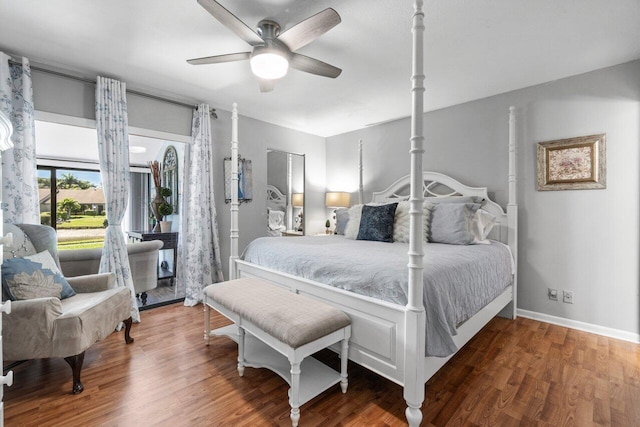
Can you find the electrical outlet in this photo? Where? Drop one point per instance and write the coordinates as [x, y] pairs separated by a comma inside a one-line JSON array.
[[552, 294], [567, 297]]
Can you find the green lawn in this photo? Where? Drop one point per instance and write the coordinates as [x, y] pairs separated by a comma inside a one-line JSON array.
[[80, 244], [83, 221]]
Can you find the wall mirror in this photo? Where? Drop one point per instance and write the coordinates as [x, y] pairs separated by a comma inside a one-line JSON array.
[[285, 193], [170, 175]]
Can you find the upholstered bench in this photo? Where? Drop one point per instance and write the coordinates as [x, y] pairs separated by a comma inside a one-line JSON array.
[[293, 325]]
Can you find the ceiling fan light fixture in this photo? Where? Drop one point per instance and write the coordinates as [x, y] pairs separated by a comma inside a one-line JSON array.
[[269, 65]]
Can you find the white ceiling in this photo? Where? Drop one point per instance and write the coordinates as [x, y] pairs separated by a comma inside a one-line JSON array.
[[473, 49]]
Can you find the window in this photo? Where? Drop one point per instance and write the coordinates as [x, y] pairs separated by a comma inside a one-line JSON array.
[[72, 202]]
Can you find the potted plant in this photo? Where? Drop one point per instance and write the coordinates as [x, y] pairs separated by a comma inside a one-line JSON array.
[[327, 225], [165, 209]]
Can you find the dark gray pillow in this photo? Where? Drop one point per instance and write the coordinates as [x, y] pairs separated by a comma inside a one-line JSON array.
[[376, 223], [451, 223], [342, 218]]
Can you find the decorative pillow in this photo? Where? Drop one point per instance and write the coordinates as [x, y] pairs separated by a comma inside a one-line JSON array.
[[25, 279], [481, 226], [342, 218], [45, 259], [451, 223], [401, 228], [376, 223], [352, 228]]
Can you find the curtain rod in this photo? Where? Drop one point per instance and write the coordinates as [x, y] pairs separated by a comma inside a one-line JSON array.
[[133, 92]]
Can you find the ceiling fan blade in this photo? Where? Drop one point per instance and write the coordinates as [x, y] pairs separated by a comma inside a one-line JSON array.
[[266, 85], [231, 21], [313, 66], [230, 57], [310, 29]]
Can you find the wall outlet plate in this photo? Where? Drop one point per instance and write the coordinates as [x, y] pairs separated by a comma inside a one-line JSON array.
[[552, 294], [567, 297]]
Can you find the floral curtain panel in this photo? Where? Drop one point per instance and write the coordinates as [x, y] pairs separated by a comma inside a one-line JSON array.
[[19, 173], [199, 248], [113, 152]]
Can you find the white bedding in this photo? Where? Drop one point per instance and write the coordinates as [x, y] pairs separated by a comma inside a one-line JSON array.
[[459, 280]]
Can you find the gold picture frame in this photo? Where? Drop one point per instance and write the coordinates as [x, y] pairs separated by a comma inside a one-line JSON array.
[[573, 163]]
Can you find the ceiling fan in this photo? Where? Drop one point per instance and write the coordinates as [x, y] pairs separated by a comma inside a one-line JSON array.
[[272, 52]]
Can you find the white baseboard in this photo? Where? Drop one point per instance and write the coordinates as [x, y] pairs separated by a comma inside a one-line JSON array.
[[581, 326]]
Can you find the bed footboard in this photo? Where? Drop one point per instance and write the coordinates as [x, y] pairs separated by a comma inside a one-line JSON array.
[[377, 327]]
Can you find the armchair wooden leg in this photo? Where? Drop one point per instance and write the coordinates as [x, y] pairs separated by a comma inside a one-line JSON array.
[[76, 366], [127, 330]]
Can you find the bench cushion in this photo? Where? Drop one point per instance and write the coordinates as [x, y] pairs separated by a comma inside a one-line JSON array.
[[291, 318]]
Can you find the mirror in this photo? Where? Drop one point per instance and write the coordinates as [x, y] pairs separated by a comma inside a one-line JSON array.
[[285, 193], [170, 175]]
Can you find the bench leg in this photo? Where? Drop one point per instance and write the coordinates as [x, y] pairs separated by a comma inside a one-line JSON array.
[[294, 398], [344, 358], [207, 324], [241, 335]]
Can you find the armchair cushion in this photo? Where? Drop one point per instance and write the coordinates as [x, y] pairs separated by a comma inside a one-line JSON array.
[[26, 279], [93, 282]]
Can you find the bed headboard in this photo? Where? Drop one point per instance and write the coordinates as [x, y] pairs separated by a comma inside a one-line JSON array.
[[439, 185], [275, 199]]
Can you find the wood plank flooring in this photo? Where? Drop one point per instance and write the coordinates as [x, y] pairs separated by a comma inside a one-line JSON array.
[[521, 372]]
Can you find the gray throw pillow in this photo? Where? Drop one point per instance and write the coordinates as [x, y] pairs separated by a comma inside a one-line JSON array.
[[451, 223], [376, 223]]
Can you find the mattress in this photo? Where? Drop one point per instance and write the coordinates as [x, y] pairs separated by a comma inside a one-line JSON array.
[[458, 280]]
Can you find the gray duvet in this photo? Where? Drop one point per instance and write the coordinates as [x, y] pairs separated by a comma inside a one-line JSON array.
[[458, 280]]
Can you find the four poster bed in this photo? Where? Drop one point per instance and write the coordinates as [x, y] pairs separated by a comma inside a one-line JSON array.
[[389, 336]]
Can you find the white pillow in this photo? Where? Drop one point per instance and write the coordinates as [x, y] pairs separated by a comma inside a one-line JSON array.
[[481, 225], [46, 259], [353, 225], [401, 229]]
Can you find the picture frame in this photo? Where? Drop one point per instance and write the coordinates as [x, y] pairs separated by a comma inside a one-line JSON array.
[[572, 164], [245, 180]]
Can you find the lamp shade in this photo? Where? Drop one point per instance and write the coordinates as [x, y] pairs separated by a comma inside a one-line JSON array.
[[297, 199], [337, 200]]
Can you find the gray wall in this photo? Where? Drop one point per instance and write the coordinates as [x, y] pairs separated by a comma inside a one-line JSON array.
[[586, 241]]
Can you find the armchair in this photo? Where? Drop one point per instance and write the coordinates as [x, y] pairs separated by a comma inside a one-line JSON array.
[[143, 260], [52, 327]]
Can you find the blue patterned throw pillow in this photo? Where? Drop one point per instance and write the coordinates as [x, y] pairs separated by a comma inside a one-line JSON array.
[[24, 279], [376, 223]]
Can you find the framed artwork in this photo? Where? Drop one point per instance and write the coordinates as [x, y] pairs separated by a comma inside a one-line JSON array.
[[245, 180], [572, 164]]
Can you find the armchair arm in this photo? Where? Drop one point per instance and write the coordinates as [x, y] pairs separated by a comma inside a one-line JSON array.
[[28, 329], [92, 282]]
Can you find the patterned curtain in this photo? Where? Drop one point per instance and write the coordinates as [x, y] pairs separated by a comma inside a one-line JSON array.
[[19, 171], [113, 151], [199, 248]]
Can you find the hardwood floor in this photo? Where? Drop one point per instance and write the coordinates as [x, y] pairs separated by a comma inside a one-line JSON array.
[[519, 372]]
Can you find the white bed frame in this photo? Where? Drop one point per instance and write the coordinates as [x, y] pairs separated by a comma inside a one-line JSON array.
[[387, 338]]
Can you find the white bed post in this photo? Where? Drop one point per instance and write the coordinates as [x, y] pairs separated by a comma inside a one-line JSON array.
[[289, 192], [360, 184], [233, 272], [512, 210], [415, 318]]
